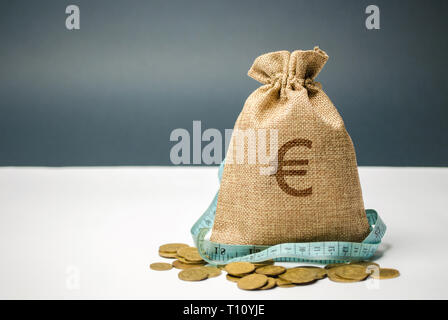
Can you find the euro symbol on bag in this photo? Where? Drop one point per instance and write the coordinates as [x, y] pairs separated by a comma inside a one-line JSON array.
[[281, 173]]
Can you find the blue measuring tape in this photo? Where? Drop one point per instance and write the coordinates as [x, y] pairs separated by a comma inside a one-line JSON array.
[[324, 252]]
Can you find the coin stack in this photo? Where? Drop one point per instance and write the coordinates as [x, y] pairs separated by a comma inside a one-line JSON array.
[[265, 275]]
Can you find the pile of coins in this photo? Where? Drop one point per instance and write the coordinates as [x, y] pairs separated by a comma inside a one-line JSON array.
[[265, 275], [188, 260]]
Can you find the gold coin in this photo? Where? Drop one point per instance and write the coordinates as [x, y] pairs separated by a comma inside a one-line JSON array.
[[239, 275], [193, 274], [252, 281], [270, 270], [270, 284], [299, 275], [232, 278], [183, 260], [352, 272], [212, 271], [331, 273], [334, 265], [386, 273], [160, 266], [180, 265], [371, 267], [320, 273], [239, 268], [263, 263], [172, 247], [190, 253], [283, 283], [168, 255]]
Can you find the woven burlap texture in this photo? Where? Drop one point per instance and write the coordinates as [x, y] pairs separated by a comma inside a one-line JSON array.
[[317, 196]]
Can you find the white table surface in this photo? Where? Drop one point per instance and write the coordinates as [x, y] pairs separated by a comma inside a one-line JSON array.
[[91, 233]]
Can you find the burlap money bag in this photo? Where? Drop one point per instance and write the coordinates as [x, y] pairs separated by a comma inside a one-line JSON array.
[[315, 194]]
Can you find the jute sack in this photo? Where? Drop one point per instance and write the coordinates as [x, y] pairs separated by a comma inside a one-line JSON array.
[[314, 194]]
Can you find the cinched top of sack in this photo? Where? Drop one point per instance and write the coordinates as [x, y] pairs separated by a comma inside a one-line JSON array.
[[289, 70]]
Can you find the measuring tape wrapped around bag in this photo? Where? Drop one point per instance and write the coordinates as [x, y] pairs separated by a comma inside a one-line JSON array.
[[323, 252]]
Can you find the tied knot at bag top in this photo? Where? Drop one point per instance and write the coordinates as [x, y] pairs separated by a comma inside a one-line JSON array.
[[283, 70]]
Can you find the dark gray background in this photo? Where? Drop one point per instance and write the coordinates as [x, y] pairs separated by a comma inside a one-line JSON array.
[[111, 93]]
